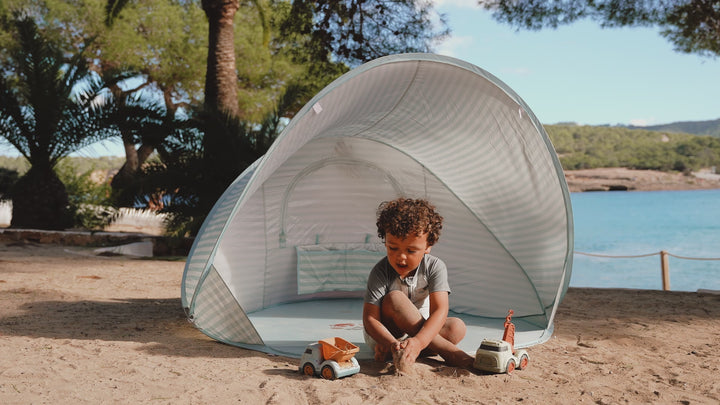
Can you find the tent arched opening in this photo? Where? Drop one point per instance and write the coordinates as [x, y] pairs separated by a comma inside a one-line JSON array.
[[282, 259]]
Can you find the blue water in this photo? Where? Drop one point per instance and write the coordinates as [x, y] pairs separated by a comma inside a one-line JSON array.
[[683, 223]]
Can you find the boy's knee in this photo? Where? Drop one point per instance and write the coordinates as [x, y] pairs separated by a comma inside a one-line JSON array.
[[401, 312], [454, 330], [393, 301], [396, 296]]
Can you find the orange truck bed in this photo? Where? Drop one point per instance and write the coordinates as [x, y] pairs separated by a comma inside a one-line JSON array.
[[338, 349]]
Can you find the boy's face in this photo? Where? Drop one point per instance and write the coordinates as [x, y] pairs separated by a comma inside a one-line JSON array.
[[405, 254]]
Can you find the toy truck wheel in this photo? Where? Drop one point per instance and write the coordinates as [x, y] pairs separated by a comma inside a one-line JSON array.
[[328, 373], [523, 362], [510, 366], [308, 369]]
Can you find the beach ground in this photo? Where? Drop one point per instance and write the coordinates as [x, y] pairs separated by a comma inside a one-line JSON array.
[[76, 328]]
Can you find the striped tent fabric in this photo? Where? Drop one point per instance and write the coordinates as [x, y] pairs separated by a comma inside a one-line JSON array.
[[292, 240]]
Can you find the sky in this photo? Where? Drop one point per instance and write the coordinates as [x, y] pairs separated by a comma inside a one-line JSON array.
[[585, 74], [577, 73]]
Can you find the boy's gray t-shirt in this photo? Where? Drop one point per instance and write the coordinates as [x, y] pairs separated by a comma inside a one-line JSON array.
[[431, 276]]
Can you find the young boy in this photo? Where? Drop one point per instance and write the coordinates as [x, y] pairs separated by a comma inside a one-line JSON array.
[[407, 291]]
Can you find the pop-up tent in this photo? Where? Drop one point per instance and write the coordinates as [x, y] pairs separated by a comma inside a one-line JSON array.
[[282, 259]]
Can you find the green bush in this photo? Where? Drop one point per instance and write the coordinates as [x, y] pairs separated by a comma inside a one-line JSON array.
[[89, 200], [588, 147]]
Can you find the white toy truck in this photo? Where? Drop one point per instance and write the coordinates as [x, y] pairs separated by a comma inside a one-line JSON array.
[[500, 356], [330, 358]]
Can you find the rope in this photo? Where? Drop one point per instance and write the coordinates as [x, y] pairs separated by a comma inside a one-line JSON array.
[[693, 258], [616, 257], [646, 255]]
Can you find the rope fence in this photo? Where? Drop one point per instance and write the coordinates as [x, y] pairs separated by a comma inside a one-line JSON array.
[[664, 264]]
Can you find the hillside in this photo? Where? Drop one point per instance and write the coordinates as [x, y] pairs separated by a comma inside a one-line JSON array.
[[79, 164], [578, 147], [711, 127], [589, 147]]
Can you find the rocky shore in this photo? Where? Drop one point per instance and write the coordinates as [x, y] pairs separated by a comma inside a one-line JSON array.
[[622, 179]]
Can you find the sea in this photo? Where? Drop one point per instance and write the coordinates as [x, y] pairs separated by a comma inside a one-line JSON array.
[[639, 223]]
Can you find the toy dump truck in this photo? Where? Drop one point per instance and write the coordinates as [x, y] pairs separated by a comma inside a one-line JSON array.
[[500, 356], [330, 358]]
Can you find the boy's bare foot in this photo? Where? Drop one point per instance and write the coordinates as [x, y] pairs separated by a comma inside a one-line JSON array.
[[460, 359]]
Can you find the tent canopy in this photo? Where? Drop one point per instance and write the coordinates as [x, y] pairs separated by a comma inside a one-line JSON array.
[[283, 257]]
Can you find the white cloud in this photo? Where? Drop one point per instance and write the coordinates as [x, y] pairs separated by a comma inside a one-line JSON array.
[[456, 3], [642, 122], [450, 46]]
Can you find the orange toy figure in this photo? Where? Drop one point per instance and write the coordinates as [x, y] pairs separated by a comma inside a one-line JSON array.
[[509, 334]]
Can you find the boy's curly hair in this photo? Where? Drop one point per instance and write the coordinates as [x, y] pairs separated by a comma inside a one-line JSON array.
[[404, 216]]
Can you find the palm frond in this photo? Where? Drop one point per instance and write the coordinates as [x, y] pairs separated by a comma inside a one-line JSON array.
[[55, 104]]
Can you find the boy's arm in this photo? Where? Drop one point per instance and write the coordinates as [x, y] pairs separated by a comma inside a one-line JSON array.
[[375, 328]]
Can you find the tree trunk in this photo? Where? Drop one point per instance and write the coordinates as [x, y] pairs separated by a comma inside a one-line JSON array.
[[127, 172], [221, 77], [40, 201]]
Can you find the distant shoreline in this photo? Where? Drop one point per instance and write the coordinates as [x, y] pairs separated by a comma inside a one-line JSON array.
[[623, 179]]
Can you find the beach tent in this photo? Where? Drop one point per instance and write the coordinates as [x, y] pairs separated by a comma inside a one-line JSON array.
[[283, 257]]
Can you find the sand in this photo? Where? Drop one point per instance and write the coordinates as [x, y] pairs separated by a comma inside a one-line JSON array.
[[81, 329]]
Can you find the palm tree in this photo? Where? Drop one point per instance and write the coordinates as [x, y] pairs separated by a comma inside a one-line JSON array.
[[49, 108], [221, 79]]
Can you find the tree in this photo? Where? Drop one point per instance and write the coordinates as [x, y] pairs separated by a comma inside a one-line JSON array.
[[50, 106], [692, 26], [297, 38], [352, 31], [140, 122], [167, 44], [356, 31]]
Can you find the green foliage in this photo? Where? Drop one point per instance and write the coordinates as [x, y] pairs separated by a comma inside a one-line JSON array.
[[188, 179], [89, 199], [49, 103], [164, 41], [587, 147], [690, 25], [359, 31], [50, 106]]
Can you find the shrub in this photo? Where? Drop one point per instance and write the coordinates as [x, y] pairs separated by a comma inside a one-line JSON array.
[[89, 200]]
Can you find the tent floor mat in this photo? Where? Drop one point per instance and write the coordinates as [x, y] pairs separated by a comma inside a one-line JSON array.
[[311, 321]]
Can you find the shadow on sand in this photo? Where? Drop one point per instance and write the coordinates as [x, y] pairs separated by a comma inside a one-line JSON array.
[[159, 324]]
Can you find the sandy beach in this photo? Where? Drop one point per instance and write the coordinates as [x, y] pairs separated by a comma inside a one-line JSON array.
[[79, 328]]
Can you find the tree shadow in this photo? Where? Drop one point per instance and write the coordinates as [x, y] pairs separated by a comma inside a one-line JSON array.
[[159, 324]]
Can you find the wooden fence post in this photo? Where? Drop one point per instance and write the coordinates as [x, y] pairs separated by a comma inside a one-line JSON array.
[[665, 267]]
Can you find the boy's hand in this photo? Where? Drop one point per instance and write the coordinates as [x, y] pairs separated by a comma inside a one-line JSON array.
[[412, 348]]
